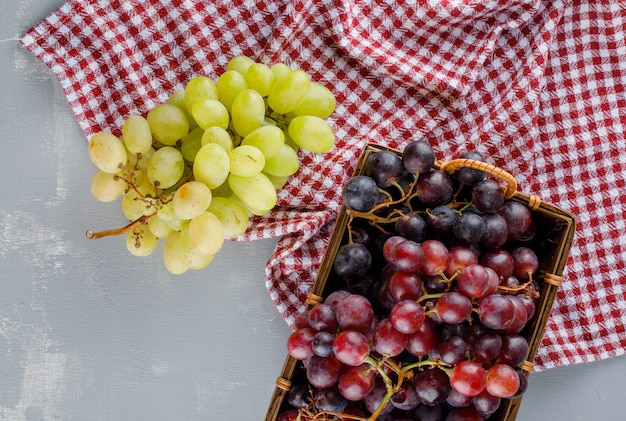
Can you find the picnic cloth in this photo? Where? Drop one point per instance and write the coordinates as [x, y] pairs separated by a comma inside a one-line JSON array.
[[535, 85]]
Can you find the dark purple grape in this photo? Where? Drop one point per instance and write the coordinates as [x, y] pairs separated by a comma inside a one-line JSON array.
[[487, 196], [470, 176], [376, 396], [464, 414], [441, 219], [517, 217], [452, 350], [432, 386], [526, 262], [486, 347], [299, 394], [360, 193], [496, 231], [322, 344], [330, 399], [485, 403], [469, 228], [405, 398], [412, 227], [352, 261], [523, 385], [418, 157], [514, 350], [426, 413], [384, 167], [435, 188]]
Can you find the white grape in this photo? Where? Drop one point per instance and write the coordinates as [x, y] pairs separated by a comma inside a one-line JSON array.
[[173, 255], [136, 134], [107, 187], [257, 191], [206, 233], [141, 241], [211, 165], [107, 152], [165, 167], [191, 199], [246, 160]]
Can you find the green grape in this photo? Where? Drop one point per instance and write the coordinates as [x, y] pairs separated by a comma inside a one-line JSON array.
[[233, 216], [240, 64], [289, 142], [191, 144], [140, 241], [219, 136], [165, 167], [229, 84], [277, 182], [107, 187], [178, 99], [210, 112], [173, 255], [246, 161], [134, 205], [289, 91], [142, 163], [283, 164], [206, 233], [311, 133], [191, 199], [319, 102], [167, 214], [197, 88], [222, 190], [136, 134], [191, 256], [269, 139], [279, 70], [107, 152], [211, 165], [159, 227], [260, 78], [247, 111], [257, 192], [168, 123]]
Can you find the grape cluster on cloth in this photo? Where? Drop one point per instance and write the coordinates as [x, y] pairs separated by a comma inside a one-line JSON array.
[[535, 85]]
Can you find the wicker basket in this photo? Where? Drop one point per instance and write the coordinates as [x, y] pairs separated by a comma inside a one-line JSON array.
[[555, 227]]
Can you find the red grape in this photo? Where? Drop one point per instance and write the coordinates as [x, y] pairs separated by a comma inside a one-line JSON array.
[[351, 347], [422, 342], [356, 382], [468, 378], [436, 256], [459, 258], [407, 316], [323, 372], [502, 381], [473, 281], [453, 307], [299, 343], [405, 285], [355, 312], [387, 340]]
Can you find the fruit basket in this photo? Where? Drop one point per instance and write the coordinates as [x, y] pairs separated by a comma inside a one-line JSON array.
[[551, 238]]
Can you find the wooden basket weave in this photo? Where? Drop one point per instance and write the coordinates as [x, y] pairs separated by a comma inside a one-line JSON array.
[[554, 225]]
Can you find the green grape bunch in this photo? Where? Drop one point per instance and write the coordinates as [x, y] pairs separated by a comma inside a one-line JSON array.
[[195, 169]]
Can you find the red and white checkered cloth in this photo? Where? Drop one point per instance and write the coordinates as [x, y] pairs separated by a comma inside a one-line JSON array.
[[537, 85]]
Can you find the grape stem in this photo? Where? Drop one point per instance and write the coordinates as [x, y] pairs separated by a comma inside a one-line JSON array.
[[94, 235]]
